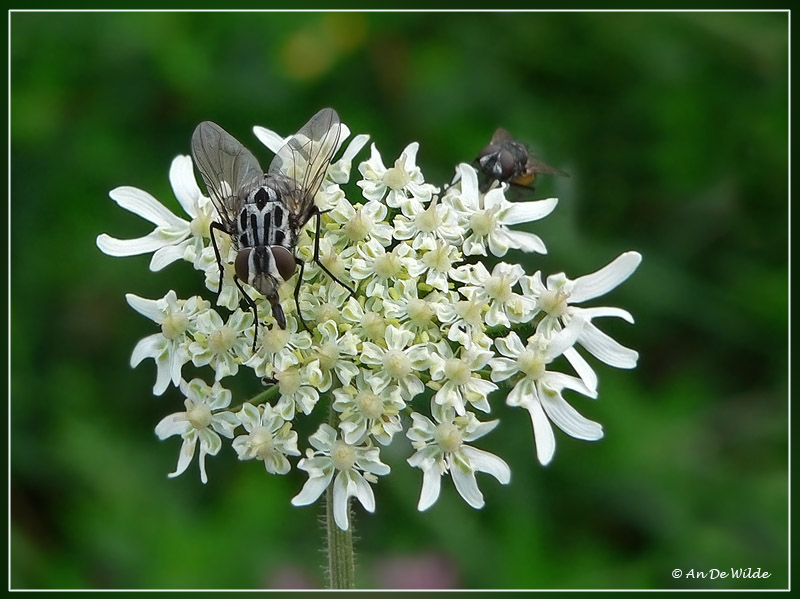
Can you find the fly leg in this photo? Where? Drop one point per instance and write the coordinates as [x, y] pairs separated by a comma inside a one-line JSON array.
[[316, 253], [302, 265], [252, 306], [215, 226]]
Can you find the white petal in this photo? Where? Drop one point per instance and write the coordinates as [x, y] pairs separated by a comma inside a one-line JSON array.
[[582, 367], [146, 307], [149, 347], [569, 420], [341, 501], [112, 246], [466, 485], [542, 433], [142, 203], [606, 349], [527, 242], [523, 212], [364, 493], [174, 424], [167, 255], [564, 339], [605, 279], [185, 456], [431, 484], [313, 488], [483, 461], [184, 185], [589, 313], [510, 346], [272, 140]]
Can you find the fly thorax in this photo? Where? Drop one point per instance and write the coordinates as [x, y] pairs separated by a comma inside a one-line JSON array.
[[263, 219]]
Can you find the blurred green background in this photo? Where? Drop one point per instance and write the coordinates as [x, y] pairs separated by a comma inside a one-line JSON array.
[[673, 127]]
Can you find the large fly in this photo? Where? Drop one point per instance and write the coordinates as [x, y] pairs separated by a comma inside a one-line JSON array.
[[263, 212]]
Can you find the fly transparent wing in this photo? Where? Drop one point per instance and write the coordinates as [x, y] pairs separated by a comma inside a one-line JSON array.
[[305, 158], [536, 166], [501, 135], [227, 167]]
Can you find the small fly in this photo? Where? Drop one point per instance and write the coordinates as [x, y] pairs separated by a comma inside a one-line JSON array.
[[509, 161], [263, 212]]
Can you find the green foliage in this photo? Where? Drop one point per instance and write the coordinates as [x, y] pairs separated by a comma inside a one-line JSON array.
[[674, 128]]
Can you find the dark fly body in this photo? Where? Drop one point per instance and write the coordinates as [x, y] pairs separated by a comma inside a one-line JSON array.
[[507, 160], [263, 212]]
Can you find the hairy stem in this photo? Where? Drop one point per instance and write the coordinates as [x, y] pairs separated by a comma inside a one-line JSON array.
[[341, 560]]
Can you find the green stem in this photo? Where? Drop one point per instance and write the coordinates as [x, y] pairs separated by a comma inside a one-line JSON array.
[[341, 560], [341, 566]]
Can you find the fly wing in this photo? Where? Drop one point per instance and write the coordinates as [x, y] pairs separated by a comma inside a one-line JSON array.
[[536, 166], [501, 135], [304, 159], [227, 167]]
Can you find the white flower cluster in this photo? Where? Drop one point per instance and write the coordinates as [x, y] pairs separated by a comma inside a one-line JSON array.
[[428, 339]]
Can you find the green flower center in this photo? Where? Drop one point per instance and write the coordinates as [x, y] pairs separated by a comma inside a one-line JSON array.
[[374, 325], [370, 404], [387, 266], [429, 221], [199, 416], [554, 302], [420, 312], [448, 437], [438, 259], [174, 325], [482, 223], [397, 364], [222, 339], [457, 371], [531, 363], [397, 177], [343, 455], [289, 381], [358, 228], [499, 288], [470, 311], [262, 442], [328, 355]]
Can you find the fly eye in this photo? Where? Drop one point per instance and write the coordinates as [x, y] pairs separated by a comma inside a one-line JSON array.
[[242, 264], [284, 261], [507, 162]]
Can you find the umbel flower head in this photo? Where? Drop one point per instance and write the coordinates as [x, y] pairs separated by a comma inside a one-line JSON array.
[[440, 328]]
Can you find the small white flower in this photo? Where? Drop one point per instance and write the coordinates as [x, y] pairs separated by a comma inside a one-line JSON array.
[[465, 318], [456, 378], [169, 347], [368, 321], [402, 184], [436, 264], [496, 290], [418, 314], [381, 268], [173, 238], [398, 362], [359, 223], [367, 408], [489, 215], [222, 345], [441, 447], [354, 466], [436, 222], [333, 354], [199, 423], [538, 390], [278, 348], [557, 299], [296, 393], [269, 438]]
